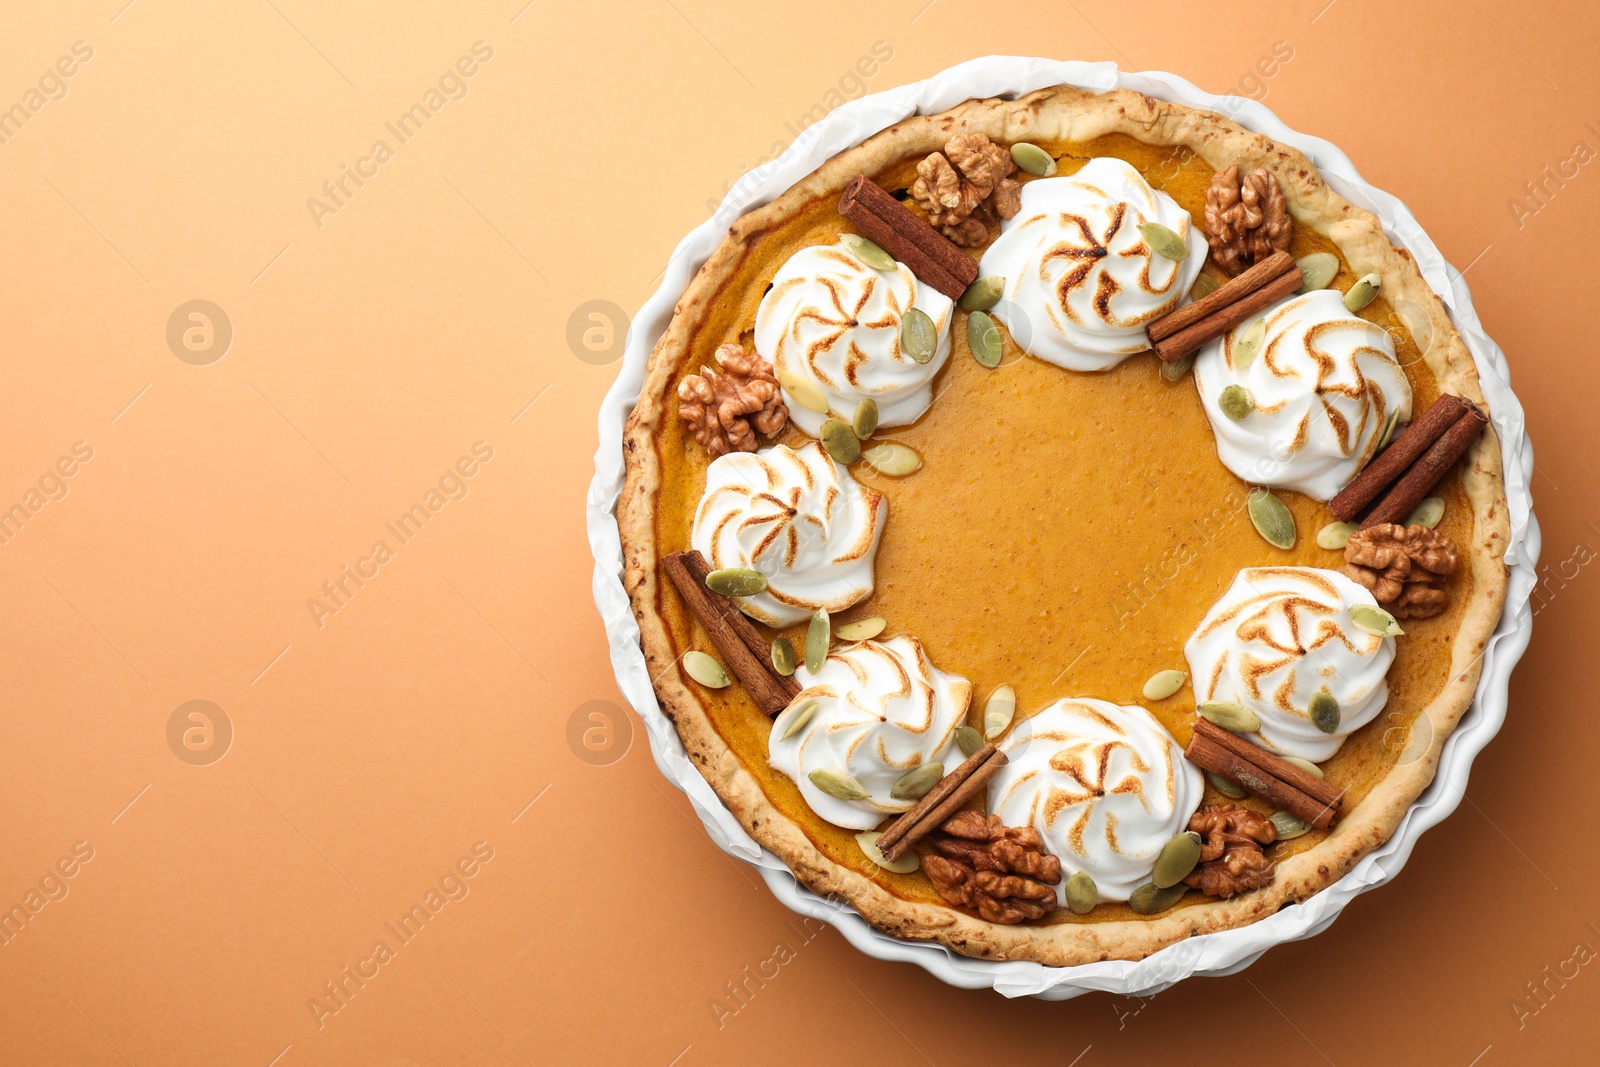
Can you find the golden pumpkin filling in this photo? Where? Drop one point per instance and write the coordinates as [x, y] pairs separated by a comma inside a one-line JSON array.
[[1066, 533]]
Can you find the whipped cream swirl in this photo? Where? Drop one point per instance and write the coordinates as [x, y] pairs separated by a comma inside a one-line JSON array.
[[1277, 638], [883, 710], [797, 517], [1323, 381], [1105, 786], [1082, 283], [835, 322]]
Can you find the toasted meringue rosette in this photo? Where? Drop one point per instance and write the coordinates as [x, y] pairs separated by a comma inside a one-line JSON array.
[[1105, 785], [883, 710], [1081, 281], [1278, 638], [800, 519], [833, 321], [1322, 385]]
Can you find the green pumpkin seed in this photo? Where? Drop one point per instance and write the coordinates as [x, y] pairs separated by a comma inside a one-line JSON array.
[[919, 337], [1324, 712], [803, 392], [818, 634], [1388, 431], [1428, 513], [1272, 519], [1151, 899], [865, 420], [1164, 241], [839, 786], [705, 670], [983, 294], [1248, 344], [797, 719], [868, 252], [908, 862], [840, 441], [893, 459], [736, 581], [914, 784], [1335, 535], [861, 629], [968, 740], [1033, 159], [1174, 371], [1082, 893], [1230, 716], [983, 337], [1163, 684], [1305, 765], [1374, 620], [1362, 292], [783, 656], [1223, 786], [998, 711], [1288, 826], [1317, 271], [1203, 286], [1176, 860], [1236, 402]]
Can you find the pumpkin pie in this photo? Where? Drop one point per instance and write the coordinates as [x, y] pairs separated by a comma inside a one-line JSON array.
[[1059, 527]]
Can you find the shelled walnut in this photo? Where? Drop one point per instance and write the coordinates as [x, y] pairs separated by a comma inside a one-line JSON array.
[[1404, 567], [1232, 859], [727, 409], [967, 187], [1002, 872], [1247, 218]]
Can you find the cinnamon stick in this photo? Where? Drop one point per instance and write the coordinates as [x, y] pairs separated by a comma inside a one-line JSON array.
[[1189, 339], [735, 636], [1392, 462], [1270, 761], [943, 788], [1265, 774], [943, 801], [931, 256], [698, 568], [1230, 291], [1401, 500]]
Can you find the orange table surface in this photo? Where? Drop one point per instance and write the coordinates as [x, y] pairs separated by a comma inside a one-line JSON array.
[[312, 752]]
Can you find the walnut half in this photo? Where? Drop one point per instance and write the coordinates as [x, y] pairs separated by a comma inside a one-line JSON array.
[[1404, 567], [1247, 218], [967, 188], [1001, 872], [726, 409], [1232, 859]]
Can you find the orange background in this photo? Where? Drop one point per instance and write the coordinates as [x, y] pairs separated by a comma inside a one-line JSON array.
[[442, 708]]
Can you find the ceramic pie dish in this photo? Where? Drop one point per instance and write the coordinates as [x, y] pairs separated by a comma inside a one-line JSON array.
[[1084, 683]]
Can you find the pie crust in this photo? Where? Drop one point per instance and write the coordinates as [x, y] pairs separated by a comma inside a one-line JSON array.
[[1070, 114]]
